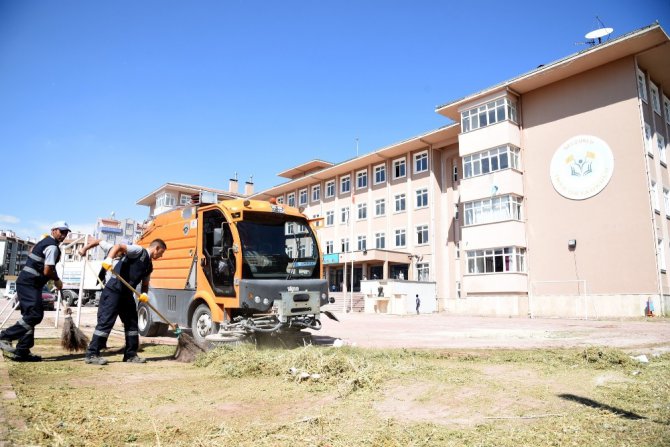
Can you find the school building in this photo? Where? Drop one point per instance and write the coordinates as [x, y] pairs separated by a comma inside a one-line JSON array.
[[544, 195]]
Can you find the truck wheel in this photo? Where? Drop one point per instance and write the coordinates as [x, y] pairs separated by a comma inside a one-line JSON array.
[[202, 324], [146, 327], [70, 297]]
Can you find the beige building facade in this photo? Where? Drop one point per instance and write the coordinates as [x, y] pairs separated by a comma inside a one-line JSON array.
[[548, 195]]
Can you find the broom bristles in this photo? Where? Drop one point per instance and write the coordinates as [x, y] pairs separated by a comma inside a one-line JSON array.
[[73, 339], [187, 349]]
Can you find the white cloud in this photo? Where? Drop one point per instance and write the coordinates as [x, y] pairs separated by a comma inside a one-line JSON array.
[[5, 219]]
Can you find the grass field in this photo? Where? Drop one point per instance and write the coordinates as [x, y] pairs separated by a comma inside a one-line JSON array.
[[324, 396]]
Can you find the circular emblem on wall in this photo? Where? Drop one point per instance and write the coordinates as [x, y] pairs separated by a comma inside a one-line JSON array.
[[581, 167]]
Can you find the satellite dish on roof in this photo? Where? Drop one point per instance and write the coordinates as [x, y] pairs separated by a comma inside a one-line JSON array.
[[599, 33]]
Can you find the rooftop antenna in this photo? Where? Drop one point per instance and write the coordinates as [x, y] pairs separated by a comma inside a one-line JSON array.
[[598, 33]]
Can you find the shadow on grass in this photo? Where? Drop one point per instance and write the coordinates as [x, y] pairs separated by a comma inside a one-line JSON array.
[[594, 404]]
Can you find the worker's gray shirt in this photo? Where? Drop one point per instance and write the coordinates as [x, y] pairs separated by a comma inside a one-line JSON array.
[[50, 255]]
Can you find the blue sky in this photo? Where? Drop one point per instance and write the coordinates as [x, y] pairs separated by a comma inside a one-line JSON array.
[[102, 102]]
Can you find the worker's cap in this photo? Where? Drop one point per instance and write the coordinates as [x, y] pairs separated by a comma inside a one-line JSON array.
[[60, 225]]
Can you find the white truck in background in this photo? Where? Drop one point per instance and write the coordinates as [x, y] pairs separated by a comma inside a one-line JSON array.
[[70, 272]]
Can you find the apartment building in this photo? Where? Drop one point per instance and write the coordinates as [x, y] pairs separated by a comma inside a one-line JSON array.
[[13, 254], [547, 195]]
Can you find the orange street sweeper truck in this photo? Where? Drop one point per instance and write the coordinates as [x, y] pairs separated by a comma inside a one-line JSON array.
[[234, 269]]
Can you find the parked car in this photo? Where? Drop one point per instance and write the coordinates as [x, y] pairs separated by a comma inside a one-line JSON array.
[[48, 299]]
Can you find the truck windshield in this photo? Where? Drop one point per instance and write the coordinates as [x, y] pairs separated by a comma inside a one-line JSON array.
[[276, 245]]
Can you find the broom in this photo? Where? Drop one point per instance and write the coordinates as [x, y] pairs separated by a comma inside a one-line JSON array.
[[187, 348], [72, 339]]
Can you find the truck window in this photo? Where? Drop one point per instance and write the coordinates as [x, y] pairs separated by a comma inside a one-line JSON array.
[[219, 265], [277, 246]]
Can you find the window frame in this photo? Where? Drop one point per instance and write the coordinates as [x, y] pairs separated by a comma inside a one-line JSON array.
[[362, 179], [330, 214], [423, 271], [316, 193], [488, 258], [302, 196], [422, 234], [402, 232], [648, 139], [380, 203], [376, 169], [660, 145], [345, 215], [362, 208], [345, 179], [666, 108], [401, 161], [330, 189], [493, 158], [362, 242], [642, 86], [655, 98], [403, 200], [381, 236], [492, 210], [491, 112], [290, 199], [329, 247], [424, 162], [423, 194]]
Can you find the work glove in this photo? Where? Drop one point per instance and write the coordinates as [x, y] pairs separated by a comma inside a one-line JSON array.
[[59, 284], [107, 264], [143, 298]]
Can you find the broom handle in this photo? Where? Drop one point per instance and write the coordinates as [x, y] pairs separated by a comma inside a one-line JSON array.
[[125, 283]]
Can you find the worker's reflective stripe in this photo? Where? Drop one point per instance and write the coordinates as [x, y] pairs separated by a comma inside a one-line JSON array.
[[34, 257], [100, 333], [24, 324], [132, 333], [29, 332], [31, 270]]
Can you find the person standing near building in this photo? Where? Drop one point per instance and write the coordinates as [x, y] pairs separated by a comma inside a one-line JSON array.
[[117, 300], [418, 303], [39, 269]]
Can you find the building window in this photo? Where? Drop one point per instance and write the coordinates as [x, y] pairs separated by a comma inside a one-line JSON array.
[[291, 199], [289, 251], [422, 271], [329, 247], [344, 215], [380, 174], [184, 199], [400, 238], [660, 143], [345, 184], [289, 228], [380, 207], [455, 172], [654, 195], [330, 218], [380, 240], [421, 234], [496, 159], [344, 245], [399, 168], [399, 203], [642, 85], [280, 200], [166, 200], [661, 254], [362, 243], [487, 114], [316, 193], [330, 188], [666, 201], [302, 197], [666, 108], [496, 260], [362, 211], [422, 198], [647, 139], [421, 162], [655, 98], [495, 209], [362, 179]]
